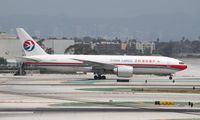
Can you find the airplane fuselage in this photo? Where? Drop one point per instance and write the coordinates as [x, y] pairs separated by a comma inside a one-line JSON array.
[[141, 64]]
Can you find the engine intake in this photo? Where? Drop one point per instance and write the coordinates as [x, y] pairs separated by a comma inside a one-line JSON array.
[[124, 71]]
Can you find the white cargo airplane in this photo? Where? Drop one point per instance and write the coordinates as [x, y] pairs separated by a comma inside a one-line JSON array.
[[122, 66]]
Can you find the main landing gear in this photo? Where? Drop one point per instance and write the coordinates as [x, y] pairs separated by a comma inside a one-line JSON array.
[[98, 77]]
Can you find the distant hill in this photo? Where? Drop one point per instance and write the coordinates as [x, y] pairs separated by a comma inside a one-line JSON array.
[[147, 27]]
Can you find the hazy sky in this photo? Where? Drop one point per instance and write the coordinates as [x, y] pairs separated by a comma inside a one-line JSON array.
[[148, 19], [98, 8]]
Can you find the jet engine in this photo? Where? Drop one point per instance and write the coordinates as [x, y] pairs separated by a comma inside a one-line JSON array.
[[123, 71]]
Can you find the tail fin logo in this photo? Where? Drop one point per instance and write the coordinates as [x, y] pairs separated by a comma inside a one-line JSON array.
[[29, 45]]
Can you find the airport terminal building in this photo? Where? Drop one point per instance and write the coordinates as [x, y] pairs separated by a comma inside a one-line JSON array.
[[10, 46]]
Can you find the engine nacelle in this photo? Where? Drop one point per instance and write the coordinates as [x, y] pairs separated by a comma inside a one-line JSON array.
[[124, 71]]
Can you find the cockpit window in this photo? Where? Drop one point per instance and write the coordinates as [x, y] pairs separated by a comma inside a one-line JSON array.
[[181, 63]]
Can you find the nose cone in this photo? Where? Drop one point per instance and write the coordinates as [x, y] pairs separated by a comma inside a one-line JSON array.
[[179, 67], [177, 64], [183, 67]]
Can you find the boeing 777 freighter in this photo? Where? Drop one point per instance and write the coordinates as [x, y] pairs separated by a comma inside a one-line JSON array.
[[121, 65]]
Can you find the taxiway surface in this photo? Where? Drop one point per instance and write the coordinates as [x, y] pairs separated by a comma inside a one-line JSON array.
[[77, 97]]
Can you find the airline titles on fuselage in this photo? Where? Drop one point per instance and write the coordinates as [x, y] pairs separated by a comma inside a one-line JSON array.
[[136, 60]]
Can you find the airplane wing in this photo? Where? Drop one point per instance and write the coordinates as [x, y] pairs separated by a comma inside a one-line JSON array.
[[97, 64]]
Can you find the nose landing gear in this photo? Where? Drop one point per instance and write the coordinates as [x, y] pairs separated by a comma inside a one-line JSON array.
[[171, 77]]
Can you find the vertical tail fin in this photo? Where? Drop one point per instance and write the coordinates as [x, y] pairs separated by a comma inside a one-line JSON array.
[[29, 46]]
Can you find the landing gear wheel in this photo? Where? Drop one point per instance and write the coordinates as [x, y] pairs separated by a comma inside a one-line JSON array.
[[98, 77], [95, 77], [170, 77], [103, 77]]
